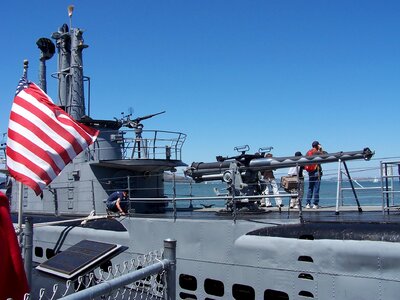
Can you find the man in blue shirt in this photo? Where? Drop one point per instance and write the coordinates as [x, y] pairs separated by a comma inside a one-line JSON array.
[[118, 202]]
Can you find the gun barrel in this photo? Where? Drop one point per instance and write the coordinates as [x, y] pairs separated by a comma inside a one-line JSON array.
[[284, 162], [200, 171], [137, 120]]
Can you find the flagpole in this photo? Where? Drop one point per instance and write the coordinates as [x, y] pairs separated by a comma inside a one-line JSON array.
[[20, 213], [20, 186]]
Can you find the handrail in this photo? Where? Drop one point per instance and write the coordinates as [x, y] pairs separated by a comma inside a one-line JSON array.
[[387, 185], [150, 144]]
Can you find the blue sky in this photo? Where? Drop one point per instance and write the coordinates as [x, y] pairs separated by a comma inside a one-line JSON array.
[[229, 73]]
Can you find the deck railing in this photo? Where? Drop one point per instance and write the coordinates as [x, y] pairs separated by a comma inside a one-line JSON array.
[[388, 170], [2, 157], [155, 144], [150, 144]]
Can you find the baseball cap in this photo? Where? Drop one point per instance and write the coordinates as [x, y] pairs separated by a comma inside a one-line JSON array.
[[315, 144]]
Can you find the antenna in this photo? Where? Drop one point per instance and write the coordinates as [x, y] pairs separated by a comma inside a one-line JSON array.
[[25, 73], [70, 11]]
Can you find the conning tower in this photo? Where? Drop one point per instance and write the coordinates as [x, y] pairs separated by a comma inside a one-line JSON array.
[[124, 156]]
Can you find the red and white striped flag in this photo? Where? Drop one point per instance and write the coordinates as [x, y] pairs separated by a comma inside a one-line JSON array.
[[42, 138]]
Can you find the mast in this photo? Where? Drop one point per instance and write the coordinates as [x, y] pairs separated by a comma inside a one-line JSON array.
[[77, 100], [64, 57], [47, 48], [70, 44]]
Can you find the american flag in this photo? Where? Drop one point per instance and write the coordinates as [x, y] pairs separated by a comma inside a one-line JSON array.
[[42, 138]]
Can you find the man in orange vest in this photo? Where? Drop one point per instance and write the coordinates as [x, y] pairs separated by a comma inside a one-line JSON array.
[[314, 176]]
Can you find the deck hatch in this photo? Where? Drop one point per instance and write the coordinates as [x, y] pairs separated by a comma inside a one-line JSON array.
[[80, 257]]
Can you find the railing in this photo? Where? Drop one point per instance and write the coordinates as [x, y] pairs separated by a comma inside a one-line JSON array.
[[157, 144], [152, 276], [182, 194], [388, 170], [149, 144], [2, 157], [179, 192]]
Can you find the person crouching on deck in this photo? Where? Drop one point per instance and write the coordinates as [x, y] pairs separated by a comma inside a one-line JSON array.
[[118, 202]]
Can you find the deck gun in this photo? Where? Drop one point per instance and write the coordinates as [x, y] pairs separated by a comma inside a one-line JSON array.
[[136, 123], [242, 173], [140, 145]]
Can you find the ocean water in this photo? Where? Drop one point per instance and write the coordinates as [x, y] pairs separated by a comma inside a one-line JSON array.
[[368, 193]]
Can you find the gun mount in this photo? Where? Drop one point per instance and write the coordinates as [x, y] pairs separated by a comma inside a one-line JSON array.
[[242, 173], [138, 126]]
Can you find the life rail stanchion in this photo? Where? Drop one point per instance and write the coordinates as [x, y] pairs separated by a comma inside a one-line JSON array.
[[352, 187], [339, 185], [233, 192], [20, 210], [28, 247], [299, 199], [174, 196]]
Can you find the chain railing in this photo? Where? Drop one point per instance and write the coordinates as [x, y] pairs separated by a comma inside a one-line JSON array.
[[151, 276]]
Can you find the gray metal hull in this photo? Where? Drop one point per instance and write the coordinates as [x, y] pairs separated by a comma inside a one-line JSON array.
[[231, 253]]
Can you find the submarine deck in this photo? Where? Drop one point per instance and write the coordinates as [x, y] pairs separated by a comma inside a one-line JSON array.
[[367, 214], [323, 214]]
